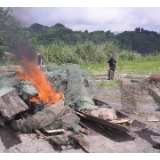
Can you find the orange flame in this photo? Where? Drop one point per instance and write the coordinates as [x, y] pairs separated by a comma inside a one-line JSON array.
[[46, 92]]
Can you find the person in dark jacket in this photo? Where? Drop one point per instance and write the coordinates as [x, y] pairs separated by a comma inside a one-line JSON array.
[[40, 60], [111, 68]]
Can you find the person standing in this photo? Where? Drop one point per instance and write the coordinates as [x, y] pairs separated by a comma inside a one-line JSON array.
[[40, 60], [111, 68]]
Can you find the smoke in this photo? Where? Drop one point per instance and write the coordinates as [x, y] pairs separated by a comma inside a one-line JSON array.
[[24, 15], [24, 50], [18, 42]]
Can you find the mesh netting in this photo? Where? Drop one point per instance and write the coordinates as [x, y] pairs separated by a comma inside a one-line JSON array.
[[4, 82], [77, 84], [51, 117]]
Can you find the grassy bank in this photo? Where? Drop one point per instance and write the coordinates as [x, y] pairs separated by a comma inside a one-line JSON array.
[[94, 57], [147, 65]]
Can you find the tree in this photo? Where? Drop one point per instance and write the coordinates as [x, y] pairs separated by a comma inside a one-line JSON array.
[[36, 27], [138, 30], [10, 30]]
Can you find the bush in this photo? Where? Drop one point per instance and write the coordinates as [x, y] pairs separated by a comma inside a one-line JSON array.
[[86, 53], [130, 55]]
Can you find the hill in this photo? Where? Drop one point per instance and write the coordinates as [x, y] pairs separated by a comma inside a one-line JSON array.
[[140, 40]]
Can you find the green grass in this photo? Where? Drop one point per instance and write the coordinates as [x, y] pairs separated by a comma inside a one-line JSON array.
[[81, 53], [96, 68], [140, 67], [94, 58], [144, 66]]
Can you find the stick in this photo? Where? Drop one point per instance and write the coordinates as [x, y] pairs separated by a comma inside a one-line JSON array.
[[22, 117], [54, 131], [40, 135], [82, 130], [130, 121], [120, 120], [18, 149], [83, 125], [80, 114], [100, 126]]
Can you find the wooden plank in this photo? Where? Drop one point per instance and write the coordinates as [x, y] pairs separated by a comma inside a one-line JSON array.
[[120, 120], [153, 119], [133, 125], [54, 130], [101, 121]]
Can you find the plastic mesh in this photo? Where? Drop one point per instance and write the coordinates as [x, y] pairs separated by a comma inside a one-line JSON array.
[[77, 84]]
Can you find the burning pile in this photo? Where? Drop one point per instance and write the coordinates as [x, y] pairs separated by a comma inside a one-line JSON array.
[[46, 93], [63, 92], [48, 89]]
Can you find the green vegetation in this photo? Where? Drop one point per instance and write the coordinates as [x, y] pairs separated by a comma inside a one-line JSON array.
[[135, 51], [143, 65], [13, 38], [86, 53]]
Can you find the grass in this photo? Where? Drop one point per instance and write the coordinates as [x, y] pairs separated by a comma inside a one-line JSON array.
[[94, 58], [96, 68], [81, 53], [143, 67]]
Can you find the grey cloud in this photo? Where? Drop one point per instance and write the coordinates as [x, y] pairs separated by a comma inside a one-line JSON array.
[[88, 18]]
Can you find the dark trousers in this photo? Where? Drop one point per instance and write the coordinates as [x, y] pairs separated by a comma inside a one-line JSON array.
[[110, 74]]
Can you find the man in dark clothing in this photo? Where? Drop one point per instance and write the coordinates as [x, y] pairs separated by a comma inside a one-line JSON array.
[[111, 68], [40, 60]]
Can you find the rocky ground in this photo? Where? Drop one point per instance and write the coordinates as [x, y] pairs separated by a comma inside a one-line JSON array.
[[100, 141]]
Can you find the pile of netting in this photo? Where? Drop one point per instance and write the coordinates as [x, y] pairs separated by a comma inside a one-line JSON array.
[[78, 85], [52, 117], [79, 89]]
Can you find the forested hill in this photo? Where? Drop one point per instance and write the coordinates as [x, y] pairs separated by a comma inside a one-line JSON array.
[[140, 40], [12, 35]]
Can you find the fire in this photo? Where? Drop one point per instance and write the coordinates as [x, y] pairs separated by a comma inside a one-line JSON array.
[[46, 92]]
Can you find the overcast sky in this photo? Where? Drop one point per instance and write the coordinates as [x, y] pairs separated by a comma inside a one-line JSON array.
[[91, 18]]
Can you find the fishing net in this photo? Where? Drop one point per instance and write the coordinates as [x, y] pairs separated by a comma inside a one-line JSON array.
[[4, 82], [51, 117], [78, 85]]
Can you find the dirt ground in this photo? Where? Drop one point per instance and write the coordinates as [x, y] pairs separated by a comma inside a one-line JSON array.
[[100, 141]]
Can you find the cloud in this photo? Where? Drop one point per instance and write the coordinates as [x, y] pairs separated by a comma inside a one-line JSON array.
[[91, 18]]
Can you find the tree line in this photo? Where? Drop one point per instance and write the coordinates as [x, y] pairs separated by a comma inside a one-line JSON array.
[[13, 35]]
